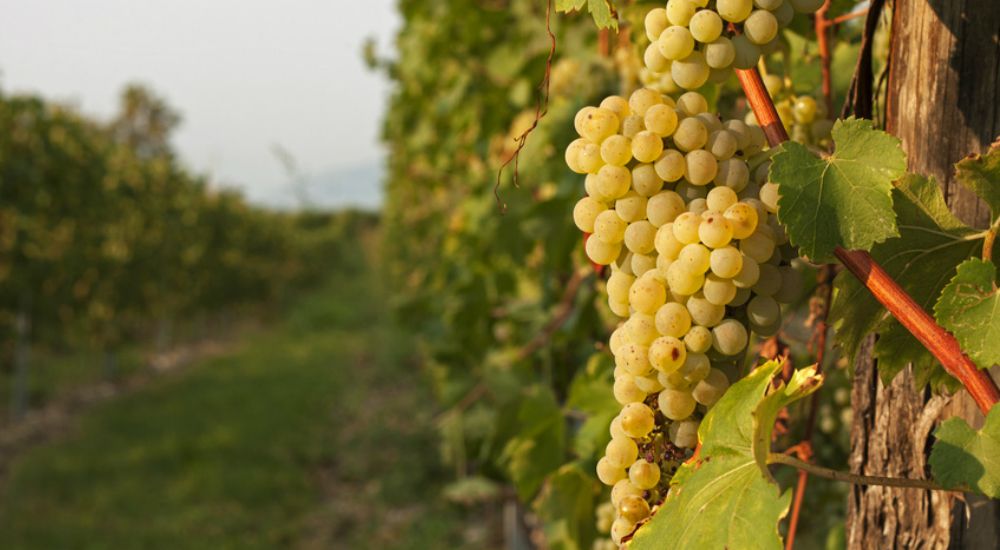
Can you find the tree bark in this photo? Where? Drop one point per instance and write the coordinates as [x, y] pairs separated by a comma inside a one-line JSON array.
[[943, 102]]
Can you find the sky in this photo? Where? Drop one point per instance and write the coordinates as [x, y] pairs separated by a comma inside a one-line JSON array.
[[245, 75]]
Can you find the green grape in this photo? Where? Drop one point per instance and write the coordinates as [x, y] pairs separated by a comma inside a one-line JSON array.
[[670, 165], [661, 120], [805, 6], [613, 181], [763, 310], [749, 273], [675, 404], [690, 192], [696, 257], [649, 383], [673, 381], [639, 236], [642, 99], [632, 125], [698, 339], [732, 173], [637, 420], [620, 309], [662, 265], [708, 391], [706, 26], [633, 508], [624, 488], [621, 451], [742, 295], [729, 337], [692, 104], [585, 212], [600, 252], [703, 312], [609, 473], [698, 206], [641, 329], [691, 134], [769, 280], [618, 337], [686, 435], [616, 150], [598, 124], [615, 428], [772, 82], [734, 11], [635, 359], [656, 22], [700, 167], [573, 151], [710, 120], [679, 12], [715, 230], [641, 263], [784, 13], [721, 198], [769, 5], [758, 140], [647, 146], [667, 354], [580, 119], [647, 295], [616, 104], [672, 319], [720, 53], [743, 219], [666, 244], [686, 227], [644, 475], [740, 130], [791, 285], [726, 262], [605, 514], [631, 208], [769, 197], [654, 60], [590, 186], [590, 159], [625, 390], [609, 227], [760, 27], [645, 181], [717, 290], [696, 367], [620, 529], [722, 144], [804, 110], [759, 245], [675, 43], [683, 280], [691, 72], [664, 207], [747, 54]]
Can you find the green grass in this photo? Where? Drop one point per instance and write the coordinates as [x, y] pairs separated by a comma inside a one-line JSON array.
[[317, 434]]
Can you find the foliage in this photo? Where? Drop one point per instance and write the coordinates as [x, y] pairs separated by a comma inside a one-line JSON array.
[[970, 308], [966, 459]]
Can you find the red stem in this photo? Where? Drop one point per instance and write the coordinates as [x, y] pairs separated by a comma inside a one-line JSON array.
[[938, 341], [822, 43]]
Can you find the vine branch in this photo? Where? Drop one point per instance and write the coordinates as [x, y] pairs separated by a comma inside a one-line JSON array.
[[941, 343], [836, 475]]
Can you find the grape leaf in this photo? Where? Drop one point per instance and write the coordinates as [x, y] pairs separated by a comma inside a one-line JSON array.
[[536, 445], [601, 10], [841, 200], [589, 395], [725, 497], [965, 459], [981, 174], [969, 307], [566, 506], [931, 244]]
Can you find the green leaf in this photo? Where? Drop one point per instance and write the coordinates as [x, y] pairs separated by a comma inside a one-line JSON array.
[[601, 10], [536, 447], [931, 244], [569, 5], [589, 394], [725, 497], [965, 459], [981, 174], [841, 200], [970, 308], [566, 506]]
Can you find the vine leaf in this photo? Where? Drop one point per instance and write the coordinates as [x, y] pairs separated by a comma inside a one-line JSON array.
[[970, 308], [588, 394], [922, 260], [566, 503], [841, 200], [725, 497], [981, 174], [536, 442], [963, 458], [602, 11]]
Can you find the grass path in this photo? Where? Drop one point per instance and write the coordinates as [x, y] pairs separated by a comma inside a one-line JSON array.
[[314, 435]]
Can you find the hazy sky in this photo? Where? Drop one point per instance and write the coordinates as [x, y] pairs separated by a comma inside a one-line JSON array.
[[245, 74]]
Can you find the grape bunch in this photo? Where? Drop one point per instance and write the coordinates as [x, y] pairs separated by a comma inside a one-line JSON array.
[[804, 118], [691, 40], [678, 205]]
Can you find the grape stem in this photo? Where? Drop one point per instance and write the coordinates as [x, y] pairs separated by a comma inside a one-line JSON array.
[[989, 237], [856, 479], [887, 291]]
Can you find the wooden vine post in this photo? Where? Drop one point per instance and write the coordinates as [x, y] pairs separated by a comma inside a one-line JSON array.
[[943, 103]]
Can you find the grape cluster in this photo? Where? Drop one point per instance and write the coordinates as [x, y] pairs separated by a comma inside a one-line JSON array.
[[692, 42], [678, 205], [804, 118]]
